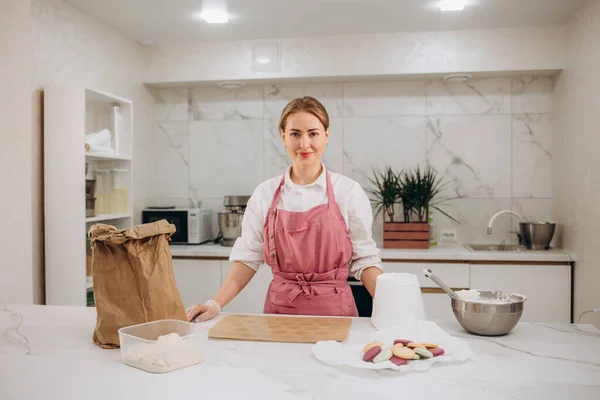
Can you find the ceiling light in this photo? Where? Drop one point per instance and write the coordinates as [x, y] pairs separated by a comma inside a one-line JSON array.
[[452, 5], [215, 16], [231, 85], [214, 11]]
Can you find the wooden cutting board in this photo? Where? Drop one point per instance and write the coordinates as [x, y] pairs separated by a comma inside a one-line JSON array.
[[275, 328]]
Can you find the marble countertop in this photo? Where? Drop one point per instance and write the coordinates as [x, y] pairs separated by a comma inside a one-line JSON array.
[[441, 252], [47, 351]]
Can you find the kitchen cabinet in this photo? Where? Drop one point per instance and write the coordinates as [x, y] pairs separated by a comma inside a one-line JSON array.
[[251, 300], [547, 288], [455, 275], [437, 306], [197, 280]]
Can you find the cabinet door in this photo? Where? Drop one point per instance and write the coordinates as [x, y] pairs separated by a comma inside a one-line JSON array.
[[547, 288], [437, 306], [197, 280], [251, 300], [455, 275]]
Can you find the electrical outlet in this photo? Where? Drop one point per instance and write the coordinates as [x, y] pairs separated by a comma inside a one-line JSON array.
[[448, 236]]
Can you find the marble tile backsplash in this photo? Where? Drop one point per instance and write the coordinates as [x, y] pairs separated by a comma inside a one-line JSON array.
[[489, 138]]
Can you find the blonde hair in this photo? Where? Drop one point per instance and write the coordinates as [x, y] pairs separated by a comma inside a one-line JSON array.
[[304, 104]]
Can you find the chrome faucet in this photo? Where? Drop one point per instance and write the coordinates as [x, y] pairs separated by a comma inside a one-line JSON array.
[[516, 214]]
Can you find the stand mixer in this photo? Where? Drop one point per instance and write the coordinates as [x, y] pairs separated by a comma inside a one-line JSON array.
[[230, 221]]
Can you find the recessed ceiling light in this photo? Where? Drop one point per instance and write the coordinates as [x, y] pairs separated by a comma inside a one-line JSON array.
[[458, 77], [452, 5], [215, 16], [214, 11], [231, 85]]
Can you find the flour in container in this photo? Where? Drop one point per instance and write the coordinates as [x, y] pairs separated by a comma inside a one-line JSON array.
[[168, 353]]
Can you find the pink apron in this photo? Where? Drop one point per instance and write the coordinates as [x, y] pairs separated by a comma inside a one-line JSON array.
[[309, 253]]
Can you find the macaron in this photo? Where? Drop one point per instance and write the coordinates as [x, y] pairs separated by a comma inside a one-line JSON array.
[[398, 361], [424, 353], [412, 345], [437, 352], [417, 357], [429, 345], [397, 346], [384, 355], [404, 342], [371, 353], [371, 345], [403, 352]]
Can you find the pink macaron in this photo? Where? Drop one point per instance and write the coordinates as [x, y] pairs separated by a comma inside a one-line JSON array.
[[404, 342], [398, 361], [371, 353], [436, 352]]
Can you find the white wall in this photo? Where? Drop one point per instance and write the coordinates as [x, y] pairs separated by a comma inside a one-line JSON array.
[[72, 48], [577, 163], [411, 53], [16, 262], [48, 41], [489, 138]]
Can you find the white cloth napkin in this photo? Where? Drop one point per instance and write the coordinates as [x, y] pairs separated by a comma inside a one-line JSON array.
[[350, 354]]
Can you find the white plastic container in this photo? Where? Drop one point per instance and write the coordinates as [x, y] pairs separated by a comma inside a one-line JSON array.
[[161, 346]]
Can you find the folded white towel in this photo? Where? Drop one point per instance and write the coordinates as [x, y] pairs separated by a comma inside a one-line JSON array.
[[101, 138]]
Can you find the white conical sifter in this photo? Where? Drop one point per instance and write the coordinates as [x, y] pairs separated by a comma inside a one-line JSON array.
[[429, 274], [397, 299]]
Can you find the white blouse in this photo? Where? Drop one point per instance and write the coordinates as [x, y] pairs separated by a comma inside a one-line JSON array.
[[350, 196]]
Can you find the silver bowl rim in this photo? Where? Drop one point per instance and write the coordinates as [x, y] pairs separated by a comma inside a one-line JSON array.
[[537, 223], [523, 298]]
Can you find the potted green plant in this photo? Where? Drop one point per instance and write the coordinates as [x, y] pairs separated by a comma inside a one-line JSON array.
[[386, 192], [416, 190]]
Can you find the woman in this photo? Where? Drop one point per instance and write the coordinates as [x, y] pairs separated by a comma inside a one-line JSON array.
[[311, 226]]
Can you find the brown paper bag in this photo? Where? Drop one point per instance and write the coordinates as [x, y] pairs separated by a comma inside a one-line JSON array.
[[134, 281]]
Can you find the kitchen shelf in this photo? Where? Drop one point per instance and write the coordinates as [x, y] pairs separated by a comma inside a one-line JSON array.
[[106, 158], [70, 113], [107, 217]]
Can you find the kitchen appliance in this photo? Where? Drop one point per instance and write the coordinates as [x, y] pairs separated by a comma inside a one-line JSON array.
[[486, 318], [193, 225], [230, 221], [536, 235]]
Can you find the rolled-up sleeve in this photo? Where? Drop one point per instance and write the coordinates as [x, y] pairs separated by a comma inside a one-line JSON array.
[[248, 248], [360, 220]]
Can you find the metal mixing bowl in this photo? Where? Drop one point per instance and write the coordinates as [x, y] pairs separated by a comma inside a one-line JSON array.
[[489, 319], [537, 235]]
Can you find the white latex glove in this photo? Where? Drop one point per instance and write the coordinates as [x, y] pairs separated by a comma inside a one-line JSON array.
[[203, 312]]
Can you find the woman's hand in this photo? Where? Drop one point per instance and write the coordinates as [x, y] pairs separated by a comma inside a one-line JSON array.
[[203, 312], [237, 279]]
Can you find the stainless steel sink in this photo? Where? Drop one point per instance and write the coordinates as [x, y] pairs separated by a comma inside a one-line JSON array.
[[493, 247]]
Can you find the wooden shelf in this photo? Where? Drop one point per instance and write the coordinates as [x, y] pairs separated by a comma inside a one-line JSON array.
[[107, 217]]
